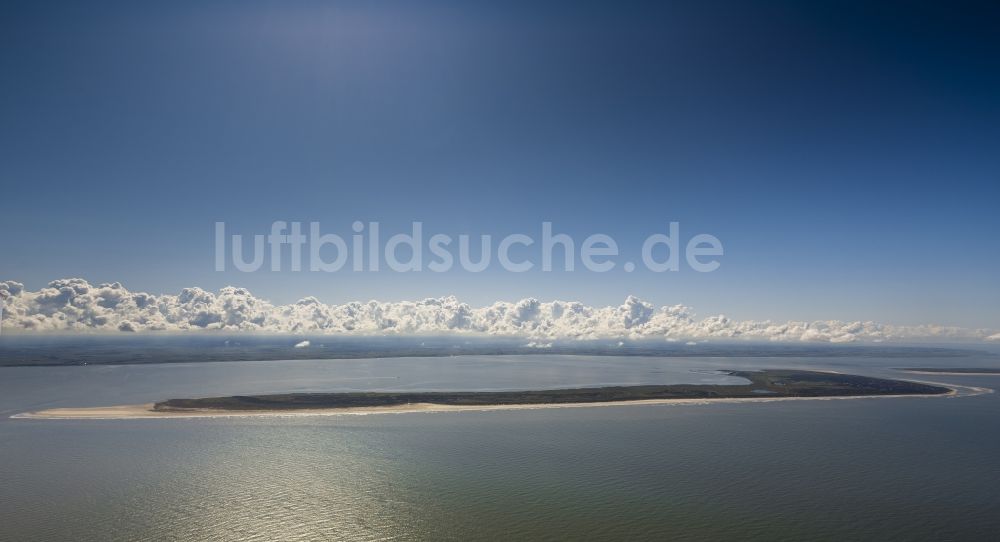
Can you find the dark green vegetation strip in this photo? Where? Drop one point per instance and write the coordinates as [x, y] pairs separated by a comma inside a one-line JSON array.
[[769, 383]]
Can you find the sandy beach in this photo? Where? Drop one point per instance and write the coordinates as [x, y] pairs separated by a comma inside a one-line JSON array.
[[145, 411]]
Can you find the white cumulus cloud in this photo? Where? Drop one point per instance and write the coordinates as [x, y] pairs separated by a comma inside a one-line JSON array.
[[70, 305]]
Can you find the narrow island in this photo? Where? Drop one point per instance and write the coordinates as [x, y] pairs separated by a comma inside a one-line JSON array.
[[765, 385]]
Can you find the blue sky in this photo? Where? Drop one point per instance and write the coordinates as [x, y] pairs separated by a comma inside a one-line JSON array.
[[847, 155]]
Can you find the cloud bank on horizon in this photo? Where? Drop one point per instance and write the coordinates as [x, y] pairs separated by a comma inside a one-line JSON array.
[[74, 305]]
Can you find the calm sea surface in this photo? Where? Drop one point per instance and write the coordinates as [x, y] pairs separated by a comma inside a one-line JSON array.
[[874, 469]]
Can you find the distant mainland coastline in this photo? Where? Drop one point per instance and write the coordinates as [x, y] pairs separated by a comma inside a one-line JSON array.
[[952, 370]]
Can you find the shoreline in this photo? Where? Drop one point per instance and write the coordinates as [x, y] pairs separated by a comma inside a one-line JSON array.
[[145, 411]]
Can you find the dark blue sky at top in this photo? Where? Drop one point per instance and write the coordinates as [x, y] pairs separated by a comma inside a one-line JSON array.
[[847, 154]]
